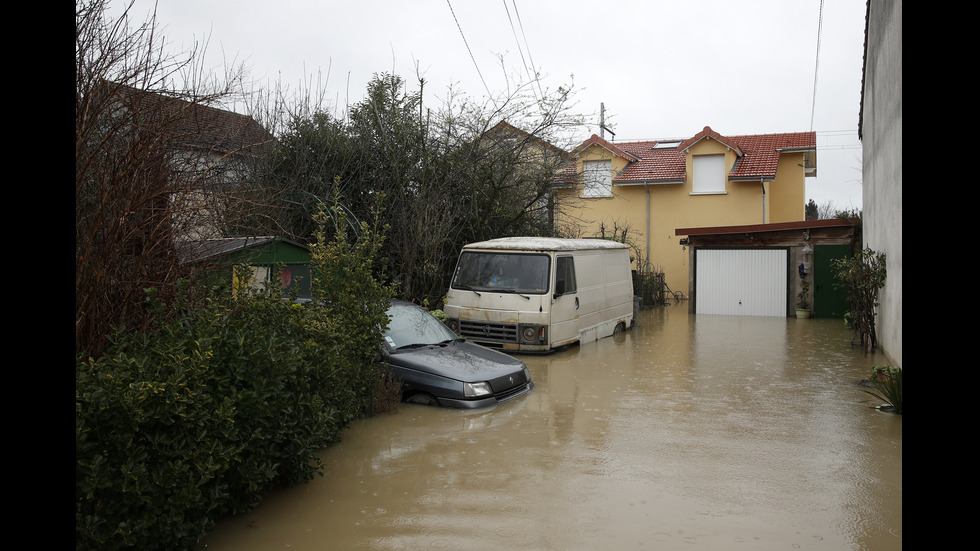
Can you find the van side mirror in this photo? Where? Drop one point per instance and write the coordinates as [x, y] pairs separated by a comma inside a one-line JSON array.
[[559, 288]]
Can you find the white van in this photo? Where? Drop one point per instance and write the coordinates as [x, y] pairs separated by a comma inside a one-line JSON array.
[[536, 294]]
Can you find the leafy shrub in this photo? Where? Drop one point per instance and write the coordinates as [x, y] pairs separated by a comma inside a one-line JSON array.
[[862, 276], [151, 445], [200, 419], [206, 415], [886, 380], [650, 287]]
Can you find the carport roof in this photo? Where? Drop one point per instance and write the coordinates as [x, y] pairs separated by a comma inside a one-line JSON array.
[[758, 228]]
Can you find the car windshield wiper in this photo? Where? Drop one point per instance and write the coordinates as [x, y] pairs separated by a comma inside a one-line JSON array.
[[414, 345]]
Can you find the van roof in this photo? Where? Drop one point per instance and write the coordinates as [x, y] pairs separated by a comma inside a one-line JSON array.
[[545, 244]]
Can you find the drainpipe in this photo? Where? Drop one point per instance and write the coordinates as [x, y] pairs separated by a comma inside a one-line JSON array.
[[647, 189], [762, 182]]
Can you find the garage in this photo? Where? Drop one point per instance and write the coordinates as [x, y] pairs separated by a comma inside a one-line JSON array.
[[742, 282], [753, 270]]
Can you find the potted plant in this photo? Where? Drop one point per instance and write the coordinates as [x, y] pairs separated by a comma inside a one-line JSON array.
[[803, 297]]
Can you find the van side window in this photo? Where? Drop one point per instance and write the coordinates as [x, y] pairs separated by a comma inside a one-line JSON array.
[[564, 275]]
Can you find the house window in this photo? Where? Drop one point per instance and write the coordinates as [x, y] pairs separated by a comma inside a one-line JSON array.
[[598, 179], [709, 174]]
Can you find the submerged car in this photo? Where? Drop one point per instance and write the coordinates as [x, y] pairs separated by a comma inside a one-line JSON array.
[[437, 367]]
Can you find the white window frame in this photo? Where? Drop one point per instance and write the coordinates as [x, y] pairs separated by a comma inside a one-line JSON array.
[[597, 178], [709, 175]]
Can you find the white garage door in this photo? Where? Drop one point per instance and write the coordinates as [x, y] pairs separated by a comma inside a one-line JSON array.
[[745, 282]]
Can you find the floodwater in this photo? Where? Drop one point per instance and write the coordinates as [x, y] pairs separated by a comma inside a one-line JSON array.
[[688, 432]]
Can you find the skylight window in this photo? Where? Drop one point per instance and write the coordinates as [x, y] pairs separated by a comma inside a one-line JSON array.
[[667, 145]]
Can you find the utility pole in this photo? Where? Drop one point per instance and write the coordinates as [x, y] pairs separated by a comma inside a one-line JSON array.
[[602, 123]]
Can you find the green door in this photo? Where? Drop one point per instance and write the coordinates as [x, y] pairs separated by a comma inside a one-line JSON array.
[[828, 300]]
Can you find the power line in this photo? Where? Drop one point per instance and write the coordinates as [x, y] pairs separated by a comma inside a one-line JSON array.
[[813, 106], [514, 31], [470, 52], [845, 139], [528, 48]]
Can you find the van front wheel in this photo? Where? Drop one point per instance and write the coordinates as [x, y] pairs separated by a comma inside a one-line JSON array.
[[620, 327]]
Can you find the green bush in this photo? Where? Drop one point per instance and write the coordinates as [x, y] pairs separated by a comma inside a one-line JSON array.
[[886, 380], [200, 419], [862, 276], [152, 445], [203, 417]]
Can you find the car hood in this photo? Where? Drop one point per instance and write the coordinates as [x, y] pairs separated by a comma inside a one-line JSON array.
[[460, 360]]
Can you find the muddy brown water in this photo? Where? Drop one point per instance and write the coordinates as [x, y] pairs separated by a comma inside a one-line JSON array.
[[688, 432]]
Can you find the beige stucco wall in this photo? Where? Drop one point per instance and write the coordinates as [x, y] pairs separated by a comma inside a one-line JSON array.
[[673, 206], [787, 194]]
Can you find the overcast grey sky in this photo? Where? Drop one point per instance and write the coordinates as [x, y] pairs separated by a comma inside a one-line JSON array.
[[663, 69]]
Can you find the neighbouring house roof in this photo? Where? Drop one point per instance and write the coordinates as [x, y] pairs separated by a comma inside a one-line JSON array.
[[565, 176], [505, 129], [197, 125], [757, 155]]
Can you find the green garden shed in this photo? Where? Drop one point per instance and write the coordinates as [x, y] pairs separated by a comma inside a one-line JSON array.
[[266, 256]]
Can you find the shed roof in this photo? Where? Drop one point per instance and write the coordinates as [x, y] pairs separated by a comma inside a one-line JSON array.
[[213, 248]]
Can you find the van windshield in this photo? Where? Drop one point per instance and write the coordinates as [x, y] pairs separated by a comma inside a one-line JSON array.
[[503, 272]]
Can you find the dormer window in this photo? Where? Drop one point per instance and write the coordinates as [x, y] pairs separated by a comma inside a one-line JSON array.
[[709, 174], [597, 178]]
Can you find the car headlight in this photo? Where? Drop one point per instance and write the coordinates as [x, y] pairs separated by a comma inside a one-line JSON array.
[[476, 389]]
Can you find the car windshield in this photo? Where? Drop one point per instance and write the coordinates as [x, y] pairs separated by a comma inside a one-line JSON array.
[[503, 272], [410, 326]]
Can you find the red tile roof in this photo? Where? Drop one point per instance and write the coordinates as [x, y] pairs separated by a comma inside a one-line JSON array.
[[596, 140], [758, 155], [707, 132]]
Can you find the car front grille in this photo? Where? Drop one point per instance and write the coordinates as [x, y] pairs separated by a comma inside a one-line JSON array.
[[510, 392], [510, 385]]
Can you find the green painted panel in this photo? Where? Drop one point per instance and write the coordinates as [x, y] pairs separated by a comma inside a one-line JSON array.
[[273, 253], [828, 300]]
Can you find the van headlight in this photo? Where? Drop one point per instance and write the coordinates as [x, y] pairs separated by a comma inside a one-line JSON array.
[[533, 333], [471, 390]]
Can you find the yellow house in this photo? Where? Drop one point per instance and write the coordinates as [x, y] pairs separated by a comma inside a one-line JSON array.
[[643, 191]]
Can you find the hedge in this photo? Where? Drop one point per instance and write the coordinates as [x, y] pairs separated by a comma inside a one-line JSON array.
[[202, 418]]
